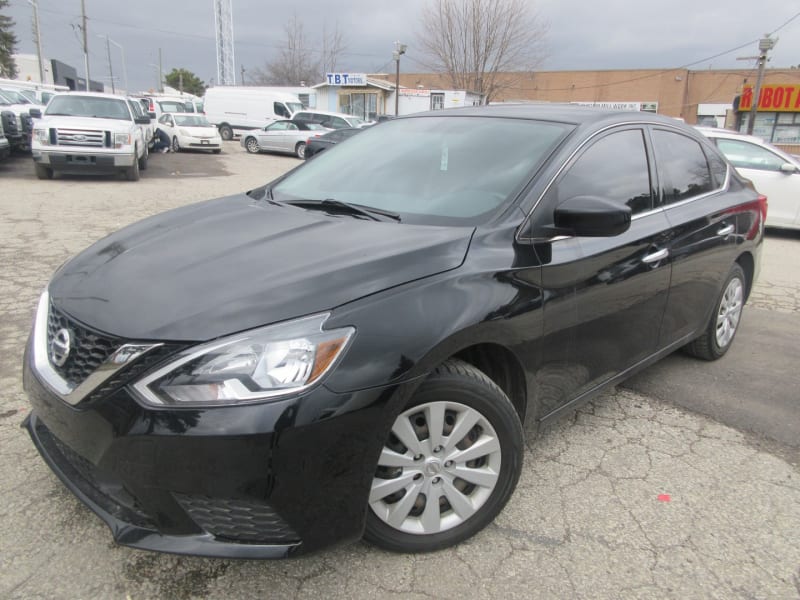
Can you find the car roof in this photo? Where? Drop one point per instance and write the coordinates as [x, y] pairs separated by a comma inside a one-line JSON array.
[[563, 113], [328, 113]]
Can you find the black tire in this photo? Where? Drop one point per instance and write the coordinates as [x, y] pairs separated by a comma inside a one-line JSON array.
[[225, 132], [176, 146], [143, 160], [725, 320], [251, 145], [300, 150], [43, 172], [217, 150], [132, 172], [453, 386]]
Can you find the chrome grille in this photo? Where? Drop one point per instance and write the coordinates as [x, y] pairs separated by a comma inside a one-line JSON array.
[[80, 137], [88, 349]]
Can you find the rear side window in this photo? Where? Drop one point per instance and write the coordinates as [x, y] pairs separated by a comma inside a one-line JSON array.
[[683, 167], [614, 167], [719, 168]]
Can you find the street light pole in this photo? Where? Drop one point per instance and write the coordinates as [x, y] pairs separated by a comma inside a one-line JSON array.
[[85, 44], [124, 66], [400, 49], [110, 70], [765, 44]]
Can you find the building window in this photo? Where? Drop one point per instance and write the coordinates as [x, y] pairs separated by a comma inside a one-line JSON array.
[[437, 101], [362, 105]]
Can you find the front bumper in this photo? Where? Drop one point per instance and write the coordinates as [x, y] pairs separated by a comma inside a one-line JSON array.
[[77, 161], [257, 481], [200, 143]]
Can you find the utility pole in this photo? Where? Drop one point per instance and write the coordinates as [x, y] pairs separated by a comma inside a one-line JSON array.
[[765, 44], [243, 75], [110, 70], [35, 5], [400, 49], [160, 73], [85, 44]]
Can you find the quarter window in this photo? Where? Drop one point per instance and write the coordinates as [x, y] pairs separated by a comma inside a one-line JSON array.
[[683, 167], [615, 167]]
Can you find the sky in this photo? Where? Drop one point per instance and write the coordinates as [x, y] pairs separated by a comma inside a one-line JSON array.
[[582, 34]]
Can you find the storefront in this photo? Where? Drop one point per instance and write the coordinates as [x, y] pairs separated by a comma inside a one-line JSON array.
[[354, 94], [777, 114]]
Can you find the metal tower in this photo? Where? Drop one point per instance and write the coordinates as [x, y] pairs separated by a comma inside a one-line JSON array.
[[223, 24]]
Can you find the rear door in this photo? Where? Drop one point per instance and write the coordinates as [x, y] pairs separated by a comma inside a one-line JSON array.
[[703, 229]]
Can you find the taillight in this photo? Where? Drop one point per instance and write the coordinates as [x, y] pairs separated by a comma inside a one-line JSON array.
[[152, 107], [762, 205]]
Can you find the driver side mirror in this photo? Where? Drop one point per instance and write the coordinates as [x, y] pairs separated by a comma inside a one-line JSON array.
[[787, 168], [591, 216], [36, 113]]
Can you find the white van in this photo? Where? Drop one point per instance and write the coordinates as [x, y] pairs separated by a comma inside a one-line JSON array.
[[234, 109]]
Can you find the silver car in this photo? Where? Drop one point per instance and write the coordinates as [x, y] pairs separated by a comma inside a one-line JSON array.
[[282, 136]]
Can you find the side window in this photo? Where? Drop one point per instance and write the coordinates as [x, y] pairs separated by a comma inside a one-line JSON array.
[[164, 119], [338, 123], [749, 156], [301, 117], [615, 168], [291, 127], [136, 108], [279, 109], [682, 165]]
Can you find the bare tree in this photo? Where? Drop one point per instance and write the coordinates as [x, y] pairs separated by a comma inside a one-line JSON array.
[[477, 42], [298, 63]]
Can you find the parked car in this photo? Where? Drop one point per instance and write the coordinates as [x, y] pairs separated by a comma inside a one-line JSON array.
[[238, 109], [87, 132], [289, 137], [18, 122], [775, 173], [353, 348], [190, 131], [330, 120], [5, 146], [315, 145]]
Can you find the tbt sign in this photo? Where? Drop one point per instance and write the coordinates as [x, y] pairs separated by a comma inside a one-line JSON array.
[[773, 98], [355, 79]]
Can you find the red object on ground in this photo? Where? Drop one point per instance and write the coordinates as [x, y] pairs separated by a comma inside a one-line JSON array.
[[664, 498]]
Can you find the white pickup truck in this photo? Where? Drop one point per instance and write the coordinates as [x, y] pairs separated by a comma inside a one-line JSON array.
[[89, 133]]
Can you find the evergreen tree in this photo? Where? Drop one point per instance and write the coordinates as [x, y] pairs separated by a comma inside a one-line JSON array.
[[8, 42], [182, 79]]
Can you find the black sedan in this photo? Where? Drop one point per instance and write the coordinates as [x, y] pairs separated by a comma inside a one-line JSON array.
[[316, 145], [353, 349]]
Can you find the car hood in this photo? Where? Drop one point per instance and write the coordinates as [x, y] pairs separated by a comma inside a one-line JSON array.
[[227, 265], [94, 123], [199, 131]]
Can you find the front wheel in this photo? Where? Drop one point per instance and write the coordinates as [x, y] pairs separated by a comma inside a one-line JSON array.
[[132, 172], [724, 323], [251, 144], [43, 172], [450, 463], [176, 146], [300, 150], [143, 160]]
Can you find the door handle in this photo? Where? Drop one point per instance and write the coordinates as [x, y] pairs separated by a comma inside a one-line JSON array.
[[656, 256], [726, 230]]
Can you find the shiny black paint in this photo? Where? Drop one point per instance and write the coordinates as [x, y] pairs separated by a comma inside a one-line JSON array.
[[569, 315]]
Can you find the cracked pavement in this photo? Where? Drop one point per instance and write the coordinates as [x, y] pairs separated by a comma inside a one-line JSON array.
[[629, 497]]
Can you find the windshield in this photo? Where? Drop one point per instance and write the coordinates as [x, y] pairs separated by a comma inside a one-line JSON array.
[[294, 106], [192, 120], [4, 101], [29, 94], [355, 121], [89, 106], [429, 169], [16, 97], [172, 106]]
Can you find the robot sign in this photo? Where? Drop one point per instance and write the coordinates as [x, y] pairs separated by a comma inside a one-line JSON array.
[[347, 79]]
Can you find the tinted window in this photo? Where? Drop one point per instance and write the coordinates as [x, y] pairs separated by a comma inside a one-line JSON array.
[[749, 156], [429, 169], [682, 165], [615, 168], [280, 110], [719, 168]]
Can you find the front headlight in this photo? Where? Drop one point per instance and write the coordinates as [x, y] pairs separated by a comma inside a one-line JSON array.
[[122, 139], [252, 366], [40, 135]]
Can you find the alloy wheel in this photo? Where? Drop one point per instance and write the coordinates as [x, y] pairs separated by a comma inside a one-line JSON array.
[[730, 311]]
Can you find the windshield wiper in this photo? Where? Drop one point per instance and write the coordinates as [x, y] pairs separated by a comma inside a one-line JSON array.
[[357, 210]]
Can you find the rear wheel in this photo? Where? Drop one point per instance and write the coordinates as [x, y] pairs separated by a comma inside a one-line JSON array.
[[43, 172], [300, 150], [251, 144], [225, 132], [449, 465], [724, 322]]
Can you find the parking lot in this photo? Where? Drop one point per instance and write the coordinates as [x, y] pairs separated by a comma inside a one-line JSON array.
[[682, 483]]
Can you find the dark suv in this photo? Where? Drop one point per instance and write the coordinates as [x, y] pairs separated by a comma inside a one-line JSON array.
[[354, 348]]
